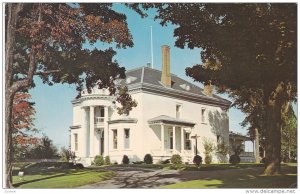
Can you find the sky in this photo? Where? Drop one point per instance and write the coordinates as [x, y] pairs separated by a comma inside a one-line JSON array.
[[53, 103]]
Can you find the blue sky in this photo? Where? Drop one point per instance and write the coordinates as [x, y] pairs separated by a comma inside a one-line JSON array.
[[53, 103]]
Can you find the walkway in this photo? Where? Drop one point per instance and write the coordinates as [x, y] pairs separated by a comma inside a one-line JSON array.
[[129, 177]]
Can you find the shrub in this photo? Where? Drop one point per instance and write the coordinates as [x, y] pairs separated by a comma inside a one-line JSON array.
[[207, 159], [107, 160], [197, 160], [99, 161], [138, 162], [79, 165], [148, 159], [167, 161], [176, 159], [125, 159], [234, 159]]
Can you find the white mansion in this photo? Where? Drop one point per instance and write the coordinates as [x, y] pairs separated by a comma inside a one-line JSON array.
[[170, 114]]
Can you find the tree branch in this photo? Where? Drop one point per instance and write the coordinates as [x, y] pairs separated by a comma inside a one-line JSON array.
[[47, 72], [18, 85], [13, 11]]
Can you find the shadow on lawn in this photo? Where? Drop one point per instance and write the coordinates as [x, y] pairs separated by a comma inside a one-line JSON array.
[[240, 178]]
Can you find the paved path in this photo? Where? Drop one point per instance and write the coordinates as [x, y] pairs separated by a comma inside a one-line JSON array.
[[133, 177], [128, 177]]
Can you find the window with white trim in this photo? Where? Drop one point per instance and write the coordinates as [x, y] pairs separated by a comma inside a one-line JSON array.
[[127, 138], [187, 141], [76, 141], [115, 139], [203, 115], [178, 111]]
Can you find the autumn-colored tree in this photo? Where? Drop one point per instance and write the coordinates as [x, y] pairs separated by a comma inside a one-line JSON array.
[[255, 47], [23, 116], [47, 40]]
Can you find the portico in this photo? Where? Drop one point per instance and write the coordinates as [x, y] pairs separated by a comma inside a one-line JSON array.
[[174, 135], [95, 129]]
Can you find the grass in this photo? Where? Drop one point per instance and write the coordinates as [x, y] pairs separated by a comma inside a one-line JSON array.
[[241, 178], [60, 178]]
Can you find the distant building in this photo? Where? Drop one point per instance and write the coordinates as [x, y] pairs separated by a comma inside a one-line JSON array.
[[237, 141], [170, 111]]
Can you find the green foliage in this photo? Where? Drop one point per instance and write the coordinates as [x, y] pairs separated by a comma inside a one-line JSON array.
[[289, 137], [197, 160], [43, 150], [148, 159], [234, 159], [107, 160], [209, 147], [208, 159], [125, 159], [176, 159], [99, 161], [67, 155]]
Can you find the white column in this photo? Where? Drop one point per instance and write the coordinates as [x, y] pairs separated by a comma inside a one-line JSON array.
[[92, 130], [182, 139], [106, 137], [84, 132], [174, 138], [162, 137]]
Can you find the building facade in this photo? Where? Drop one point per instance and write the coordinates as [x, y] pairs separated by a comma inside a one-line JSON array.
[[170, 114]]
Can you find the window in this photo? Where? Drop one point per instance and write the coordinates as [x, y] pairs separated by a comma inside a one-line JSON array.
[[203, 116], [126, 138], [76, 141], [99, 115], [115, 139], [171, 140], [178, 110], [101, 111], [187, 141]]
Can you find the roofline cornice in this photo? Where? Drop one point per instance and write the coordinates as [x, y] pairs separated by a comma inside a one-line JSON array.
[[169, 92], [90, 97]]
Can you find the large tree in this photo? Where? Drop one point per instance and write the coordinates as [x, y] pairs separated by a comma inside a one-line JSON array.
[[254, 47], [48, 40]]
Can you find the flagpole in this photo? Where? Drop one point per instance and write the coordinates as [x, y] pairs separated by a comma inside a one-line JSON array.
[[151, 49]]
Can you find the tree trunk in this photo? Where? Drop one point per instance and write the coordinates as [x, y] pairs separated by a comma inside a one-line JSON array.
[[256, 146], [13, 10], [8, 139], [273, 139]]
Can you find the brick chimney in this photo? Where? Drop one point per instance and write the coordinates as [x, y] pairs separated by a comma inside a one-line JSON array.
[[166, 75], [208, 90]]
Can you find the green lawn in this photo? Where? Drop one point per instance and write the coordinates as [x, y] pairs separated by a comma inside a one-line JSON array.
[[241, 178], [60, 178]]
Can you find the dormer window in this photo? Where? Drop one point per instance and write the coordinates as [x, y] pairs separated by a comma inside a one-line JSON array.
[[130, 79], [185, 87]]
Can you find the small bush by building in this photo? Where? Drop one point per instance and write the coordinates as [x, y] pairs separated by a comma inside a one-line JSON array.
[[208, 159], [107, 160], [176, 159], [234, 159], [148, 159], [197, 160], [99, 161], [125, 159]]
